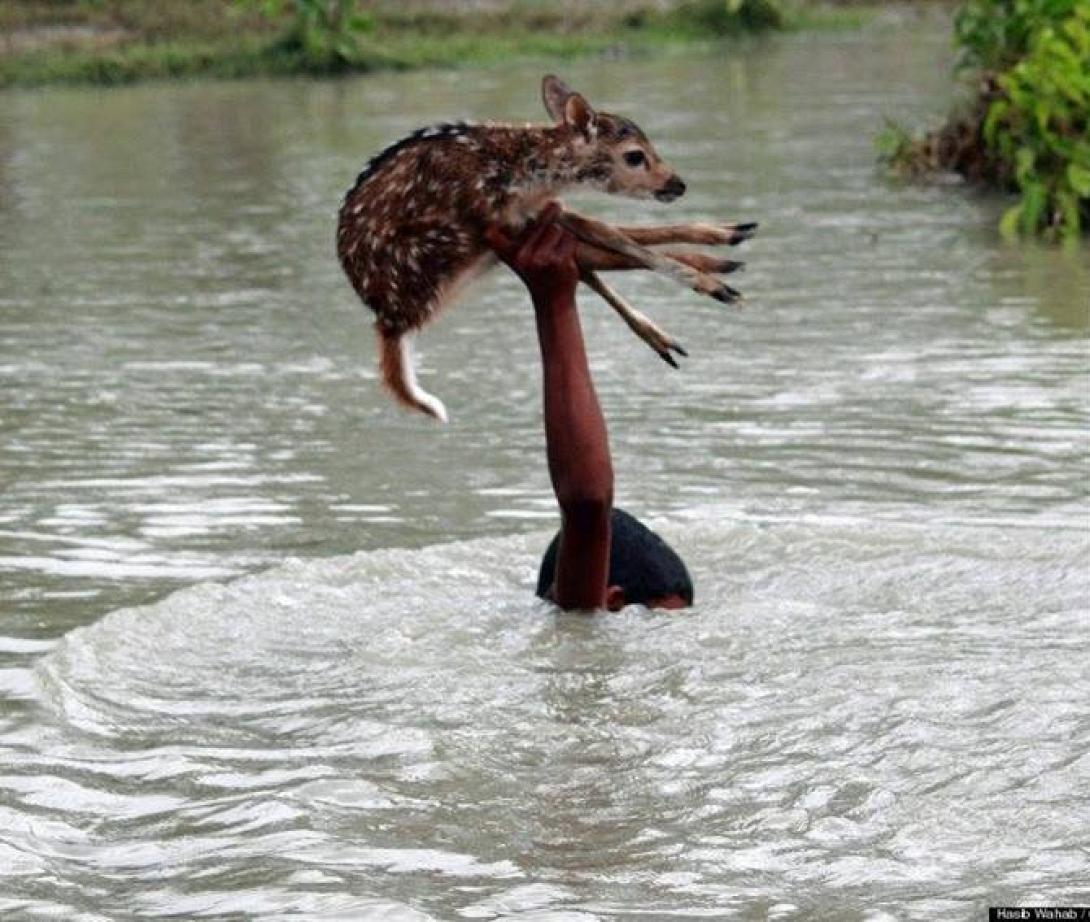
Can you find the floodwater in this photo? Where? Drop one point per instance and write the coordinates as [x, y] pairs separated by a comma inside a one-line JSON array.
[[268, 647]]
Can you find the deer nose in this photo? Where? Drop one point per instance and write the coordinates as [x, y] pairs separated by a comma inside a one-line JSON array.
[[672, 189]]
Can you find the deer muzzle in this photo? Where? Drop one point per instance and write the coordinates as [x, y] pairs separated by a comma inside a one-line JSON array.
[[672, 189]]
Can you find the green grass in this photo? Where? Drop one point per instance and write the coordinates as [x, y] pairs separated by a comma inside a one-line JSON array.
[[124, 41], [254, 57]]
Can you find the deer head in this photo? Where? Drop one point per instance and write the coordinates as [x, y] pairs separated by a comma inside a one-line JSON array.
[[611, 152]]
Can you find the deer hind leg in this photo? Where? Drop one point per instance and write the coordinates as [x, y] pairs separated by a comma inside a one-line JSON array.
[[609, 238], [640, 324]]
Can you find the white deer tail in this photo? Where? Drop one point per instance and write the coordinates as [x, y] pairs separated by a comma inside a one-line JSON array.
[[396, 361]]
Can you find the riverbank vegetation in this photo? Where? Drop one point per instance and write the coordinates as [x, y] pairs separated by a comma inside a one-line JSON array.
[[1026, 127], [117, 41]]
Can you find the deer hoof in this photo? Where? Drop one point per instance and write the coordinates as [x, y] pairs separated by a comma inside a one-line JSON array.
[[664, 352], [740, 232], [726, 294]]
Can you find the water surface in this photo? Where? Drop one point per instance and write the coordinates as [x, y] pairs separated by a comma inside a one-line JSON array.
[[877, 472]]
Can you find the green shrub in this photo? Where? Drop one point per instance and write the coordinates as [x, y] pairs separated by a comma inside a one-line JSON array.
[[1028, 127], [993, 35], [1041, 124], [325, 33], [727, 17]]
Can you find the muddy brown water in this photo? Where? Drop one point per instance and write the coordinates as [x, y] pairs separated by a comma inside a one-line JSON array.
[[268, 646]]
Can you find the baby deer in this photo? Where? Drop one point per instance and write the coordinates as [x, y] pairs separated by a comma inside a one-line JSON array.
[[411, 231]]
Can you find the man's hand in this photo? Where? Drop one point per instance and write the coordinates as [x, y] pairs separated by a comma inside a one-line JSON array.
[[543, 256]]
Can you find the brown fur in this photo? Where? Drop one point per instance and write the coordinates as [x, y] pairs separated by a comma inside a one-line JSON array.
[[411, 230], [415, 223]]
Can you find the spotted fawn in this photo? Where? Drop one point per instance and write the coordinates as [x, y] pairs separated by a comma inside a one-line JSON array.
[[411, 231]]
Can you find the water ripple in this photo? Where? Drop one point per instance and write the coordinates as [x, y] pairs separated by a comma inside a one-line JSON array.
[[877, 472], [841, 715]]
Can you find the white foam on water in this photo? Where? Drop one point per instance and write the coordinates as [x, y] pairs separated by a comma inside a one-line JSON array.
[[871, 714]]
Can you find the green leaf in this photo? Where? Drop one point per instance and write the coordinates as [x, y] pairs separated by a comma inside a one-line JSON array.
[[1023, 161], [361, 22], [1067, 207], [1034, 205], [1079, 177], [1008, 224], [997, 112]]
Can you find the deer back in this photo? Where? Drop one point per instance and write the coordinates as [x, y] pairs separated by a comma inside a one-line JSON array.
[[414, 221]]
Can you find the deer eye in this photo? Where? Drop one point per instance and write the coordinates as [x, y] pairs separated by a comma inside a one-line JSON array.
[[635, 158]]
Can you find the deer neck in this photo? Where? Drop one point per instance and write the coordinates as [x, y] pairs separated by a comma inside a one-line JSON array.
[[542, 162], [549, 163]]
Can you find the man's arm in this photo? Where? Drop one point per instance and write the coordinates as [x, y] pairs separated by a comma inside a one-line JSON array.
[[575, 430]]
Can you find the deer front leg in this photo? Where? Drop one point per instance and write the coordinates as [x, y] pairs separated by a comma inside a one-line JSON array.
[[640, 324], [609, 238], [711, 234], [592, 257]]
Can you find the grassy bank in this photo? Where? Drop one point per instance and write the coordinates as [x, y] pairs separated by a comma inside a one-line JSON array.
[[120, 41]]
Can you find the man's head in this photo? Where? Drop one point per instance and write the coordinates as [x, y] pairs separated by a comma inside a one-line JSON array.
[[643, 569]]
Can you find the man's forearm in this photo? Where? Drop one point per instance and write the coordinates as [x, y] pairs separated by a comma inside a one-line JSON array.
[[575, 430]]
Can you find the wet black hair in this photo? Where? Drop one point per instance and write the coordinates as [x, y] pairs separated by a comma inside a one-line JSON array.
[[640, 562]]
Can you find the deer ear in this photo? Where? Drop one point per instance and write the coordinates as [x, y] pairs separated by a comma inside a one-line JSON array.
[[554, 93], [579, 114]]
